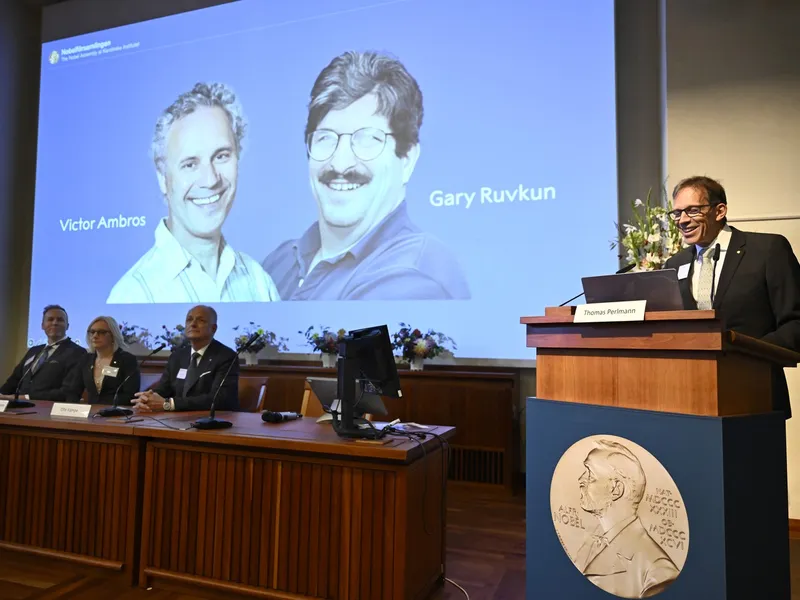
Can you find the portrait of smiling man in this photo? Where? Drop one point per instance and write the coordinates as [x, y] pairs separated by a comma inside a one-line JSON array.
[[362, 144], [196, 150]]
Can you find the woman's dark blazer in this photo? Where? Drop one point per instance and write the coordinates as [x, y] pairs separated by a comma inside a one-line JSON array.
[[81, 379]]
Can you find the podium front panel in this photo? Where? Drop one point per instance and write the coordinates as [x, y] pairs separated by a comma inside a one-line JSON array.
[[634, 504]]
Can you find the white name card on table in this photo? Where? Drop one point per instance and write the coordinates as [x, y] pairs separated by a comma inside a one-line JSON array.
[[607, 312], [3, 405], [73, 411]]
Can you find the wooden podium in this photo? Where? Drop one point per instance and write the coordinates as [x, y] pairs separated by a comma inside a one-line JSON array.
[[699, 398], [679, 362]]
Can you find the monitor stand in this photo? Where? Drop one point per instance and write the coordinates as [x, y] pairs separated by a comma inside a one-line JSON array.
[[344, 423]]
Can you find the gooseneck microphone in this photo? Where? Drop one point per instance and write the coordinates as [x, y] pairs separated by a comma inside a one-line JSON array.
[[624, 269], [118, 411], [269, 416], [715, 258], [16, 402], [210, 422]]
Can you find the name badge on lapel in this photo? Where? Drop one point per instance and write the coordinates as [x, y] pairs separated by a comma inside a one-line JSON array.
[[683, 271], [181, 374], [110, 371]]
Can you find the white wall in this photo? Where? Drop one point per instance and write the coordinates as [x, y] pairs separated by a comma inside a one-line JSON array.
[[733, 113]]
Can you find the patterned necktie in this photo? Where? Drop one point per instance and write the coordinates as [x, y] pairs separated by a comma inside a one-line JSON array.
[[42, 359], [705, 280]]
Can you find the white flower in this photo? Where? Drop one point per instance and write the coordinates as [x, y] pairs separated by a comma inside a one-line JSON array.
[[653, 258], [637, 203], [629, 228], [654, 238]]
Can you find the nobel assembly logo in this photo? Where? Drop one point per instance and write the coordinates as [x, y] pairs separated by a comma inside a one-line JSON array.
[[54, 57]]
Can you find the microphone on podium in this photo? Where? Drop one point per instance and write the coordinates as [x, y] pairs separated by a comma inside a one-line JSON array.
[[210, 422], [118, 411], [624, 269]]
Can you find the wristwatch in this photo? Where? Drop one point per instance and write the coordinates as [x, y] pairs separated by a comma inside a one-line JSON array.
[[168, 404]]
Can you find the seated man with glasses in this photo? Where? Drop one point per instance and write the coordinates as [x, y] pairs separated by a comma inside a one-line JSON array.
[[751, 279], [362, 140], [41, 373]]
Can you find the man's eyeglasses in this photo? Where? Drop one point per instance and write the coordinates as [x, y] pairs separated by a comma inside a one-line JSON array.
[[691, 211], [92, 332], [366, 143]]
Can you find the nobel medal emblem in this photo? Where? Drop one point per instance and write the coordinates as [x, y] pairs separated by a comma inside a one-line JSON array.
[[619, 516]]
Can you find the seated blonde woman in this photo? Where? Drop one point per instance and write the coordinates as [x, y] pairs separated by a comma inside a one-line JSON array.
[[106, 368]]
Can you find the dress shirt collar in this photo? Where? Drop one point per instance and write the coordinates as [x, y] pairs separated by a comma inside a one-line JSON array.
[[201, 352], [174, 258], [307, 246], [723, 239]]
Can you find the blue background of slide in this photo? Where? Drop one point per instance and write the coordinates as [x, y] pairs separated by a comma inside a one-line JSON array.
[[514, 94]]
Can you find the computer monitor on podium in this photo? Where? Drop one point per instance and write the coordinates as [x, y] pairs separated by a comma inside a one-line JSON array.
[[365, 361]]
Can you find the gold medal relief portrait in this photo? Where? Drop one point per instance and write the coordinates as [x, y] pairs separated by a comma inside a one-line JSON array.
[[619, 516]]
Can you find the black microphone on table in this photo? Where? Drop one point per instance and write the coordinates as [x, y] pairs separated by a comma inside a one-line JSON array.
[[118, 411], [16, 402], [210, 422], [269, 416], [624, 269]]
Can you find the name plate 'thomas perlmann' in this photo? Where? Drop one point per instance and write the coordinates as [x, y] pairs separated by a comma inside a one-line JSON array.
[[619, 516]]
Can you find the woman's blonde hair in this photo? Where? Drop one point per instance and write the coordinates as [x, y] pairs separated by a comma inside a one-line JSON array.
[[116, 334]]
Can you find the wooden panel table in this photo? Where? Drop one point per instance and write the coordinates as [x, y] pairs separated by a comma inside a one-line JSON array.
[[69, 489], [274, 511], [293, 511]]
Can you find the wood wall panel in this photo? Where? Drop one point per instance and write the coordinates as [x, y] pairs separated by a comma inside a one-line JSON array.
[[320, 529], [73, 495]]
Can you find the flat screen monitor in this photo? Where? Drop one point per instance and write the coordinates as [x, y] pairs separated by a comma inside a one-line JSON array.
[[372, 348], [365, 366]]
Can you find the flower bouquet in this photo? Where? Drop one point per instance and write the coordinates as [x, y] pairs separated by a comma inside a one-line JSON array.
[[265, 339], [652, 237], [138, 339], [326, 342], [415, 346], [173, 337]]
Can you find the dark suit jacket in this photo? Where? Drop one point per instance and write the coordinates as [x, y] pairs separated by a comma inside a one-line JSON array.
[[197, 393], [47, 383], [82, 378], [758, 294]]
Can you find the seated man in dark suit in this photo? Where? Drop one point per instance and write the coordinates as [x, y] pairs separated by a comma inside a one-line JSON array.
[[194, 373], [41, 372], [753, 281]]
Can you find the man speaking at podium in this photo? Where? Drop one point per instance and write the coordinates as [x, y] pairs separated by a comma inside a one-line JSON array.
[[41, 372], [751, 279], [194, 373]]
